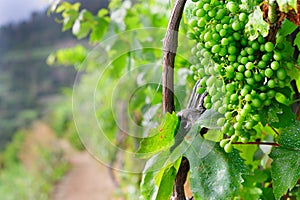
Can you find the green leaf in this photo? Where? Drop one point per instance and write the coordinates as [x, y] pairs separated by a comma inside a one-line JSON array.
[[248, 5], [251, 184], [102, 12], [297, 40], [247, 152], [286, 5], [85, 15], [214, 174], [158, 184], [208, 119], [287, 28], [69, 18], [286, 160], [99, 30], [277, 115], [82, 30], [290, 136], [285, 117], [285, 170], [166, 184], [256, 25], [63, 6], [161, 138]]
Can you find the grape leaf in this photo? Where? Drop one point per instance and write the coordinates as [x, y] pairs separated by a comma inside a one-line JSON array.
[[161, 138], [161, 166], [285, 170], [277, 115], [99, 30], [256, 25], [290, 136], [250, 189], [166, 184], [158, 184], [297, 40], [81, 29], [214, 174], [247, 152], [285, 117], [286, 160], [208, 119], [285, 5], [287, 28], [248, 5]]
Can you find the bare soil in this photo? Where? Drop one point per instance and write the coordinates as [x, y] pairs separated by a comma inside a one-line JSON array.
[[87, 180]]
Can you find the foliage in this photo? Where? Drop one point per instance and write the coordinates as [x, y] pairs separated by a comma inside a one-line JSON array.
[[35, 182], [60, 120], [27, 83], [253, 136], [10, 154]]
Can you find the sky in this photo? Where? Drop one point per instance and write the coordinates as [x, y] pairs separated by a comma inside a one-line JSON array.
[[19, 10]]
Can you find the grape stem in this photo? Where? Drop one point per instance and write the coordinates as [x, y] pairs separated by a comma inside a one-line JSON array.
[[275, 131], [170, 44], [170, 47], [259, 143]]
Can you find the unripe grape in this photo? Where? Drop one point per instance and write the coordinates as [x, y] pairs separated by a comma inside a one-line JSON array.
[[200, 12], [232, 7], [241, 68], [234, 97], [248, 97], [277, 56], [222, 110], [223, 142], [261, 64], [255, 46], [201, 22], [221, 121], [266, 57], [248, 73], [274, 65], [239, 76], [206, 7], [228, 148], [243, 17], [236, 25], [244, 139], [269, 72], [256, 102], [271, 93], [281, 74], [257, 77], [269, 47], [271, 83], [220, 14], [228, 115], [236, 36]]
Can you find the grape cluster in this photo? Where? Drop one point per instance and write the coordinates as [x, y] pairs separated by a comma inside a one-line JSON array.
[[241, 76]]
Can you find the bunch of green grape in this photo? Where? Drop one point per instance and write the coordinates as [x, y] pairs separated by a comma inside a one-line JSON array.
[[241, 76]]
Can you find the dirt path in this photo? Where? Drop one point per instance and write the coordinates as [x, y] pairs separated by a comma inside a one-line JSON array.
[[87, 180]]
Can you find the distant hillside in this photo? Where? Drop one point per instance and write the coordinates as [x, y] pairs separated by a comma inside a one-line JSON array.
[[25, 78]]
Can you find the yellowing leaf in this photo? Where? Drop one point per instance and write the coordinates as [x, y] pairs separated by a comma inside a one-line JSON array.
[[287, 5], [256, 25], [162, 137]]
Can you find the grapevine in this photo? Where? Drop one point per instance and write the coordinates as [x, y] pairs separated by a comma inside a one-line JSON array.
[[243, 76]]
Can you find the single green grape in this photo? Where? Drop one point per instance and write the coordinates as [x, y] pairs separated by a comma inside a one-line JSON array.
[[269, 47], [232, 7], [269, 72], [223, 142], [228, 148], [281, 74]]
